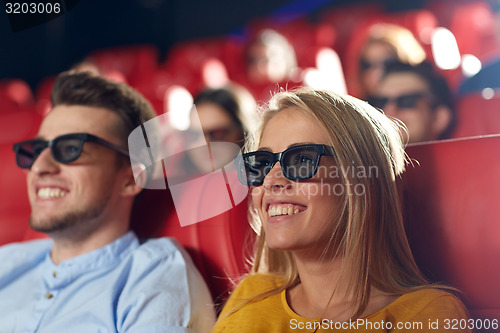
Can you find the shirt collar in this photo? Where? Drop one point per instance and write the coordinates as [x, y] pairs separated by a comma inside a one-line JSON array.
[[108, 255]]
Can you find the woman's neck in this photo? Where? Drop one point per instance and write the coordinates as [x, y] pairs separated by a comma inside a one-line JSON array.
[[320, 286], [323, 291]]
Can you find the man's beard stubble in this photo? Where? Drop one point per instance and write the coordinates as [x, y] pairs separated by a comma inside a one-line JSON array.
[[74, 222]]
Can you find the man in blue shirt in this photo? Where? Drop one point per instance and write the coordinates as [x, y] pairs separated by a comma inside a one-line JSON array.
[[93, 275]]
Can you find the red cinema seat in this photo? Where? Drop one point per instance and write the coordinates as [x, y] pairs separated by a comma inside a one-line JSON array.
[[477, 115], [346, 18], [451, 204], [185, 61], [16, 91], [154, 87], [444, 9], [473, 25], [134, 62], [14, 206], [218, 245], [191, 54], [15, 125], [304, 36]]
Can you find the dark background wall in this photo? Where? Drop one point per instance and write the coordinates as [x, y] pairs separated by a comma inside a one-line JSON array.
[[51, 47]]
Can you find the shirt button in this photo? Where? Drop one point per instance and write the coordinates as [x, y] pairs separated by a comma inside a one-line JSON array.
[[54, 274], [48, 295]]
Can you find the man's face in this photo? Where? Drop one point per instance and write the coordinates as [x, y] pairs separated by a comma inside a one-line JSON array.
[[81, 196], [414, 107]]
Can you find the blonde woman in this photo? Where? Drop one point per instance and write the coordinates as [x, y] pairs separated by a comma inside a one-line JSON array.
[[331, 252], [385, 44]]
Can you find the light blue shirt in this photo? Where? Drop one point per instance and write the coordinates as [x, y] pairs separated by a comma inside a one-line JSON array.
[[121, 287]]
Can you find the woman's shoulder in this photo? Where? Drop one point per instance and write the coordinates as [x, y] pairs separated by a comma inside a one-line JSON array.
[[246, 311], [429, 296], [255, 284], [428, 303]]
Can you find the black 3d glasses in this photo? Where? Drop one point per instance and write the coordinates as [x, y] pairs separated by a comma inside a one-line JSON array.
[[297, 163], [217, 134], [65, 148], [365, 65], [406, 101]]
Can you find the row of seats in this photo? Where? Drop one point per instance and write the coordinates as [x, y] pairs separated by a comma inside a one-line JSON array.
[[477, 114], [337, 28], [189, 63]]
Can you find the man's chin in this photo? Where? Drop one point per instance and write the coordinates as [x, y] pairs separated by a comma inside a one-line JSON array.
[[70, 223], [63, 223], [48, 225]]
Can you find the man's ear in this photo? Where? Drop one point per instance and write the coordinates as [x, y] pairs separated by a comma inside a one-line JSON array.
[[442, 119], [135, 180]]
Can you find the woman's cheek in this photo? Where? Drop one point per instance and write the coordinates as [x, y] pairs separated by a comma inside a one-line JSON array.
[[257, 194]]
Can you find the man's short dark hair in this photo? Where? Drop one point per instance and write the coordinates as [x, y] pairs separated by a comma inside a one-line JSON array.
[[438, 87], [73, 88]]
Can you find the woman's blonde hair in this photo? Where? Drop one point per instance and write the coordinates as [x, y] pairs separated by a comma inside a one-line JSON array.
[[369, 232], [401, 40]]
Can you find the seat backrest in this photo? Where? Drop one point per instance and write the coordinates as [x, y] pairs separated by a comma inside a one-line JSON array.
[[302, 35], [477, 115], [473, 25], [16, 91], [14, 206], [15, 125], [451, 202], [344, 23], [218, 245], [135, 61]]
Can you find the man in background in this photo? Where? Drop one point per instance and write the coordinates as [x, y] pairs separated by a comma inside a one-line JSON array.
[[420, 98]]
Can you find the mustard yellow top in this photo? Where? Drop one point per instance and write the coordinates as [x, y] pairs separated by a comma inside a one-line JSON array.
[[423, 311]]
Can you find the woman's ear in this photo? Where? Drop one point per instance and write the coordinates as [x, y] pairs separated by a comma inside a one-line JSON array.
[[442, 119]]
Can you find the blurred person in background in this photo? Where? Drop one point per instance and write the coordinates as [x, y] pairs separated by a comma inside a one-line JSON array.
[[385, 44], [225, 117], [270, 59], [420, 98]]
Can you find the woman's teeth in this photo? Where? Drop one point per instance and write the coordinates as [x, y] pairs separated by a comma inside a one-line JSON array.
[[283, 209]]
